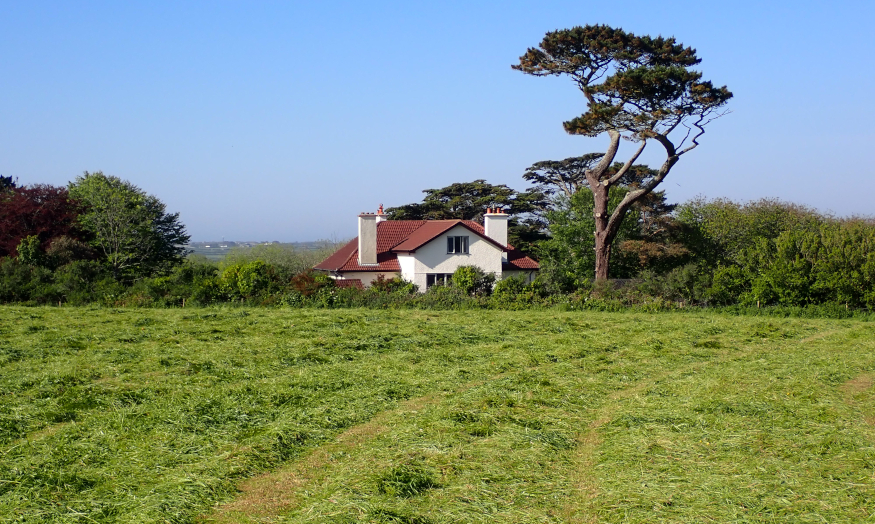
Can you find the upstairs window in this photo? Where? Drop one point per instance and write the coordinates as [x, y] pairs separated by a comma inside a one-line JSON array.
[[457, 245]]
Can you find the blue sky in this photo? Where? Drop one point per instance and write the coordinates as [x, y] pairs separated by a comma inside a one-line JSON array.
[[284, 120]]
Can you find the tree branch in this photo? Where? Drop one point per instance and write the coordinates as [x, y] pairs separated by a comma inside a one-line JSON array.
[[701, 126], [623, 170], [594, 175]]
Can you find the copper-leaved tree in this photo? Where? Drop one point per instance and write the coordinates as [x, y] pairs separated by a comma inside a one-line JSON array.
[[637, 88]]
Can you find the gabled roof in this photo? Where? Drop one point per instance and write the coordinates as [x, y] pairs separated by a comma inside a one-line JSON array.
[[435, 228], [406, 236]]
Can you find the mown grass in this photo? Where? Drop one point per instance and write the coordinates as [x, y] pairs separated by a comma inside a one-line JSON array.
[[263, 415]]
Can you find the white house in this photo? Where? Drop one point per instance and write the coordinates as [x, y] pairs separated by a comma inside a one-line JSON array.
[[426, 252]]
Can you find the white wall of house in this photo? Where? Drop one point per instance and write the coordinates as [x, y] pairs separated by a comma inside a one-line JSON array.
[[408, 269], [366, 276], [433, 257]]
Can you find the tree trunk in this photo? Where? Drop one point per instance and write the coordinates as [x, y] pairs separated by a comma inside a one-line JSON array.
[[602, 235], [602, 258]]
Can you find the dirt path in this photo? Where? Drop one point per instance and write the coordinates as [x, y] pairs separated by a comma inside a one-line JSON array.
[[857, 386]]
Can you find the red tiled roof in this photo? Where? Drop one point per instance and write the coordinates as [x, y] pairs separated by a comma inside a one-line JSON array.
[[407, 236], [386, 261], [390, 233], [347, 259], [339, 257], [517, 260], [434, 228]]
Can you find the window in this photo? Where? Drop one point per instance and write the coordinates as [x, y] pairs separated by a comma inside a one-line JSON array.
[[438, 279], [457, 245]]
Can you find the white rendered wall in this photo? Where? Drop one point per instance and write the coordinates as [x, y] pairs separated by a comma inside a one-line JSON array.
[[408, 270], [367, 277], [433, 257]]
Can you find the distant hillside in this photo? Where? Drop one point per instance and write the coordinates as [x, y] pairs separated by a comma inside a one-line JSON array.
[[217, 250]]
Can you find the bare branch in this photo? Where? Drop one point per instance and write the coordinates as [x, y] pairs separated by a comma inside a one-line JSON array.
[[701, 126], [594, 175], [686, 136], [666, 143], [623, 170]]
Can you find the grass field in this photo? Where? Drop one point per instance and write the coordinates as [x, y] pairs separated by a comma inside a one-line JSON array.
[[417, 417]]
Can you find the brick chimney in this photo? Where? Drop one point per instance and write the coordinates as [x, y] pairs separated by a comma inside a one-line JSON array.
[[368, 236], [495, 223]]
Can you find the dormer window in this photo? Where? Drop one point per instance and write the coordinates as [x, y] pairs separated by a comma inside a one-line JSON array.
[[457, 245]]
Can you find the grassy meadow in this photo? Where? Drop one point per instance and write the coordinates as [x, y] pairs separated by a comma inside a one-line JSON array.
[[281, 415]]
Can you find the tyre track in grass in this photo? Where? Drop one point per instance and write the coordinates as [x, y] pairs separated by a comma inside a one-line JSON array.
[[268, 494], [590, 441], [857, 387]]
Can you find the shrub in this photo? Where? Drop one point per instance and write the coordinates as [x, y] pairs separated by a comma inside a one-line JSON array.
[[471, 280], [308, 283], [393, 285], [30, 252], [77, 281], [21, 282], [247, 280]]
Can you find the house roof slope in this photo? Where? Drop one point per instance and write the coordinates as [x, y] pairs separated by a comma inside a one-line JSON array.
[[406, 236], [517, 260], [435, 228]]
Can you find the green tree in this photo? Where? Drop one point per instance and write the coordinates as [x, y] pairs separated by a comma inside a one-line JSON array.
[[7, 183], [469, 201], [648, 236], [131, 228], [637, 88], [30, 252], [719, 231], [568, 257]]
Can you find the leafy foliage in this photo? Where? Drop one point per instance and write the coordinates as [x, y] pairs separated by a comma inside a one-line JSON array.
[[7, 183], [39, 210], [637, 84], [471, 280], [131, 229], [469, 201]]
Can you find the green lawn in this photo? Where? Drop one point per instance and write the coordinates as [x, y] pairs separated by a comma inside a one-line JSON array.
[[280, 415]]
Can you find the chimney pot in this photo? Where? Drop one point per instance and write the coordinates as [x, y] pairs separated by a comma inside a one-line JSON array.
[[495, 226]]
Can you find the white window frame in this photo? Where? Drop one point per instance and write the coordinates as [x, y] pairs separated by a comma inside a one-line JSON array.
[[458, 245], [438, 279]]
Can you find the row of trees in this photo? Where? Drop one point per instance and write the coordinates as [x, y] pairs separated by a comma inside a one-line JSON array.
[[97, 219], [707, 252], [104, 240]]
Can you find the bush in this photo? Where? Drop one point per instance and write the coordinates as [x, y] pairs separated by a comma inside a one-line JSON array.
[[249, 280], [308, 283], [21, 282], [78, 281], [471, 280]]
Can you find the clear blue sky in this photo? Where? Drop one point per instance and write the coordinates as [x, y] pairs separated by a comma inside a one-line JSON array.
[[284, 120]]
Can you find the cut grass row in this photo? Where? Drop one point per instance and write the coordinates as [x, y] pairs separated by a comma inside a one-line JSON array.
[[412, 416]]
